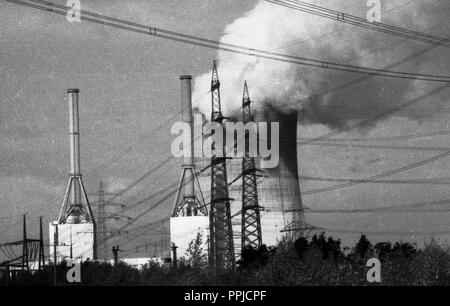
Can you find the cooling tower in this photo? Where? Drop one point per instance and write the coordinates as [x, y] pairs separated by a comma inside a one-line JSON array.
[[279, 191]]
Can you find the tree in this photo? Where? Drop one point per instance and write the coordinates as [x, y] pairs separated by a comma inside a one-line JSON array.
[[335, 247], [251, 257], [301, 246], [195, 257], [362, 246], [326, 246], [404, 249], [383, 250]]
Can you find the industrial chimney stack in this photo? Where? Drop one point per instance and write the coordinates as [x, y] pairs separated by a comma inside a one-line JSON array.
[[189, 214], [189, 203], [74, 131], [76, 222], [76, 208]]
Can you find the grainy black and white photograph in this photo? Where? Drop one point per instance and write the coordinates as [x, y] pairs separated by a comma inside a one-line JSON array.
[[224, 144]]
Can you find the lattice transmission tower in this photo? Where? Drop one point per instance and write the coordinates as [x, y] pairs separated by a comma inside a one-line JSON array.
[[251, 220], [102, 243], [221, 250]]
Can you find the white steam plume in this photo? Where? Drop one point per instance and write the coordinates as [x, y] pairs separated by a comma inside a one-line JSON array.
[[290, 87]]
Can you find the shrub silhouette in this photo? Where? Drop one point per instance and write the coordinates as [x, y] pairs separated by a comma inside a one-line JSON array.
[[318, 261]]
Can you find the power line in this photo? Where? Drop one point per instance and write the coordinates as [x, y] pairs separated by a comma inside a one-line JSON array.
[[361, 22], [387, 138], [143, 213], [172, 188], [399, 208], [150, 230], [436, 181], [129, 148], [378, 176], [146, 226], [347, 143], [365, 211], [321, 37], [213, 44], [389, 67], [146, 175], [144, 200], [385, 233], [378, 116], [149, 158], [381, 147]]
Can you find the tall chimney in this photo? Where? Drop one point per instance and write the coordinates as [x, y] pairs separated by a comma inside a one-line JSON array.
[[76, 225], [186, 105], [76, 208], [74, 130], [189, 215], [189, 203]]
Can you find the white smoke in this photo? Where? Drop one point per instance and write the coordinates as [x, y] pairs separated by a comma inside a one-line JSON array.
[[289, 87]]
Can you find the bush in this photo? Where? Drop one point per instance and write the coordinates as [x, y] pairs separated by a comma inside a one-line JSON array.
[[320, 261]]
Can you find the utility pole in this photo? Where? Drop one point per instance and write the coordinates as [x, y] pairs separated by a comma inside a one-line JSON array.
[[71, 245], [41, 262], [251, 220], [55, 243], [221, 232], [25, 263]]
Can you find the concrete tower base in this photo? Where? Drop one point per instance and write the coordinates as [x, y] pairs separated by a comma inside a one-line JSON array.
[[74, 241]]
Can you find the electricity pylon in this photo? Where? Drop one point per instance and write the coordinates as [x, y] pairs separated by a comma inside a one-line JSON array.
[[221, 231], [251, 220]]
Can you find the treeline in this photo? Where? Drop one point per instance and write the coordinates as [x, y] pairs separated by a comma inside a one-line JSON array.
[[303, 262]]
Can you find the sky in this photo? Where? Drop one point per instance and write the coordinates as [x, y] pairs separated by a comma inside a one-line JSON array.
[[129, 87]]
